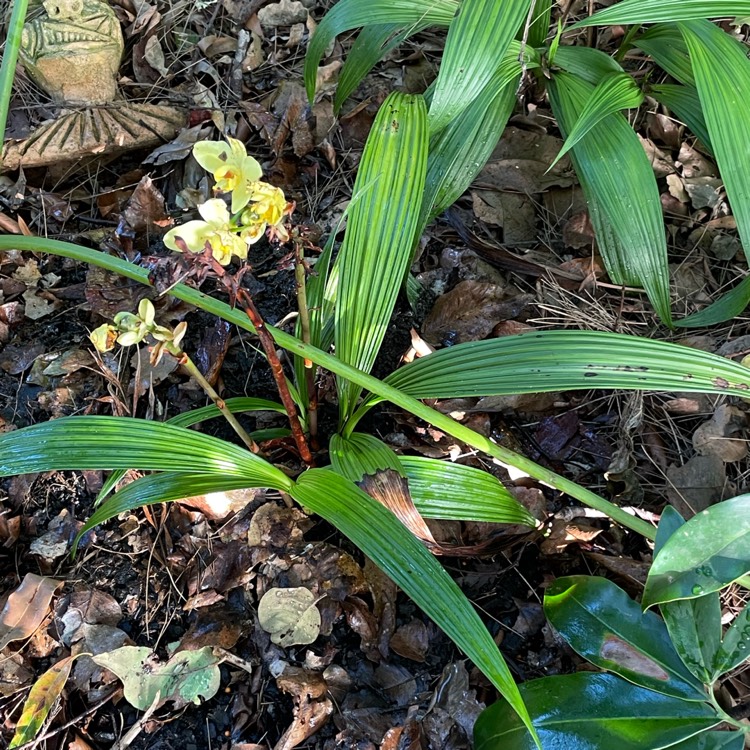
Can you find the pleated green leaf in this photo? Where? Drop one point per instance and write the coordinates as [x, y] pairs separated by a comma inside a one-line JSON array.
[[461, 149], [373, 43], [126, 443], [722, 77], [196, 416], [359, 455], [381, 537], [377, 248], [621, 190], [568, 360], [588, 711], [686, 105], [613, 93], [442, 489], [478, 37], [351, 14], [541, 18], [587, 63], [439, 489], [728, 306], [666, 45], [166, 487], [657, 11]]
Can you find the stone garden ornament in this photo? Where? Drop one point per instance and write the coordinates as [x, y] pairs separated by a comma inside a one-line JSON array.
[[72, 50]]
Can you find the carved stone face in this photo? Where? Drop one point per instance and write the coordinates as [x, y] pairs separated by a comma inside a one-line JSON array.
[[73, 51]]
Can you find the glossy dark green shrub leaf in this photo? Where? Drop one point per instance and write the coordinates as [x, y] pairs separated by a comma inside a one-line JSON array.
[[127, 443], [478, 37], [722, 77], [351, 14], [735, 647], [589, 711], [381, 537], [566, 360], [712, 741], [620, 188], [380, 235], [694, 625], [704, 555], [605, 626], [629, 12]]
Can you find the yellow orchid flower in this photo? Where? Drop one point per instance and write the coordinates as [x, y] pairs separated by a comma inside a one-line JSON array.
[[233, 170], [267, 208], [104, 338], [216, 229]]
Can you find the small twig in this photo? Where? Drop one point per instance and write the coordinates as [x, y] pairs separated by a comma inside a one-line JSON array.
[[193, 370], [269, 346], [129, 737], [304, 319]]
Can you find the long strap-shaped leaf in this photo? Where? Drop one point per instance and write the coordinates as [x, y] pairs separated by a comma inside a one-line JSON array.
[[380, 232], [373, 44], [163, 488], [665, 44], [332, 363], [655, 11], [378, 533], [10, 58], [461, 149], [350, 14], [568, 360], [478, 37], [126, 443], [728, 306], [196, 416], [613, 93], [620, 187], [722, 77], [685, 103]]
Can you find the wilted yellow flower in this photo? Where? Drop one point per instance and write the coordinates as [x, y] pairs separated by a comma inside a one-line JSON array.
[[104, 337], [233, 170], [216, 230]]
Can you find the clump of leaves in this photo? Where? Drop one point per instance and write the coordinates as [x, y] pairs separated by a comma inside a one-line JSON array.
[[664, 672]]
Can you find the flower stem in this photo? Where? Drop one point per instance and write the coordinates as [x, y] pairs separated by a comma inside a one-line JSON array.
[[269, 346], [304, 319], [194, 372]]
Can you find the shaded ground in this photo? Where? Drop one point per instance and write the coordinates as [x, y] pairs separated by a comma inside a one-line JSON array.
[[515, 253]]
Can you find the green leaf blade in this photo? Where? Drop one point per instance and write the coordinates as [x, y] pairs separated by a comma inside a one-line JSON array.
[[613, 93], [381, 537], [605, 626], [735, 647], [351, 14], [706, 554], [547, 361], [587, 711], [478, 36], [621, 190], [658, 11], [380, 235], [722, 77]]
